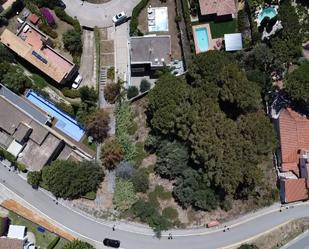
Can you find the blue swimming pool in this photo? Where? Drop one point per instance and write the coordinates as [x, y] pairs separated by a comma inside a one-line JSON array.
[[65, 123], [202, 39], [268, 12]]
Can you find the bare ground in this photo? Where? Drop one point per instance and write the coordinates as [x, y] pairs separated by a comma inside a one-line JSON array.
[[172, 25], [34, 217], [282, 235]]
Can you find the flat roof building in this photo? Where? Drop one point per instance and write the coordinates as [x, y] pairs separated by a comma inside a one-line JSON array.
[[35, 47], [233, 42], [149, 53], [27, 133]]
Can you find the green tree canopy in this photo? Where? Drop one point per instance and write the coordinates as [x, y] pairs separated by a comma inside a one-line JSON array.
[[69, 180], [297, 83], [168, 102], [72, 41]]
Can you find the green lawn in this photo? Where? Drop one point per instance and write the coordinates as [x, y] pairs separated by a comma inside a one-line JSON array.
[[92, 146], [218, 29], [42, 239]]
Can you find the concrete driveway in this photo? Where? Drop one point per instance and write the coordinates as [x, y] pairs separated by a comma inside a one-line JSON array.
[[100, 15], [88, 60]]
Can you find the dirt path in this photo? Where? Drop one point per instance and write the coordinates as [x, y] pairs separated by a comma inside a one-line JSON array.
[[30, 215]]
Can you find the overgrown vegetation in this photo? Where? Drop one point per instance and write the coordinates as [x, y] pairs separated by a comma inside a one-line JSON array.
[[134, 31]]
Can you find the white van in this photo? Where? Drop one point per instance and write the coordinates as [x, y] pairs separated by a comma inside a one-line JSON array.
[[20, 20], [77, 81]]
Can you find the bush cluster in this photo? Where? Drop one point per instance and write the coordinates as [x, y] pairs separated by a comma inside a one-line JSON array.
[[48, 30], [70, 93]]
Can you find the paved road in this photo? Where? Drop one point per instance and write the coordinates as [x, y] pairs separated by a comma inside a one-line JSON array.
[[301, 242], [100, 15], [133, 237], [88, 63]]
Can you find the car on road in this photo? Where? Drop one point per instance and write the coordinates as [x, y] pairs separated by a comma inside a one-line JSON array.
[[111, 243], [120, 18], [77, 81]]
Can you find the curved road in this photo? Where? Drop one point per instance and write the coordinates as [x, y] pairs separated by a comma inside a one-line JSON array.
[[100, 15], [134, 237]]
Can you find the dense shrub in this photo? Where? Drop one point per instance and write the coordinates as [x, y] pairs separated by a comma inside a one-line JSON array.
[[144, 86], [70, 93], [34, 178], [111, 154], [77, 244], [141, 181], [48, 30], [97, 125], [124, 195], [132, 92], [72, 41], [134, 18], [125, 170], [48, 16], [111, 92]]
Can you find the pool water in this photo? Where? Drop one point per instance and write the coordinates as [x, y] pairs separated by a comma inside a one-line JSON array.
[[202, 39], [268, 12], [65, 123]]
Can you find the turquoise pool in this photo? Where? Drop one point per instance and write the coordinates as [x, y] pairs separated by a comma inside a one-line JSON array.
[[202, 40], [268, 12]]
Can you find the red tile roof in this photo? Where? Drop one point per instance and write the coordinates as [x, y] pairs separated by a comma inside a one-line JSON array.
[[34, 18], [6, 243], [294, 190], [294, 135], [219, 7], [290, 167]]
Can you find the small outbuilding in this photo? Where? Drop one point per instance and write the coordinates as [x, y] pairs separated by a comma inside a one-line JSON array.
[[17, 232], [34, 19], [233, 42]]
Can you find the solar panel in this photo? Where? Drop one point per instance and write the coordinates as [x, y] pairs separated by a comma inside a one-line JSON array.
[[38, 56]]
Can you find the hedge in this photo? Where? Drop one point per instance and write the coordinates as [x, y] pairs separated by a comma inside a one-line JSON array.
[[53, 243], [134, 19], [48, 30], [8, 156], [70, 93], [186, 14], [62, 15]]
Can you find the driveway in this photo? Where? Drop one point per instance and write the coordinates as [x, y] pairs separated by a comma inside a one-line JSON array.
[[134, 236], [122, 60], [100, 15], [88, 64]]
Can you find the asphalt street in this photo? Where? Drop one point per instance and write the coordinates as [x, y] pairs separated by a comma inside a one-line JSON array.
[[133, 237], [100, 15]]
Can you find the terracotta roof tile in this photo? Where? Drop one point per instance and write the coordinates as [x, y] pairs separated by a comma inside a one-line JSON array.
[[219, 7], [34, 19], [290, 167], [294, 190], [294, 135]]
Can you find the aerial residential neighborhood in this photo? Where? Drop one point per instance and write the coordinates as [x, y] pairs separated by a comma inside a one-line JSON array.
[[154, 124]]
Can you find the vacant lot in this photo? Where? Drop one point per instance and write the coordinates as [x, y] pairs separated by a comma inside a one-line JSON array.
[[172, 25]]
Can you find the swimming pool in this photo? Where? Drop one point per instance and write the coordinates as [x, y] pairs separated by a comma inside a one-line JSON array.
[[268, 12], [65, 123], [202, 39]]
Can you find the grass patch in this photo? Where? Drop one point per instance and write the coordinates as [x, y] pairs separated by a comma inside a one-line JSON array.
[[92, 146], [140, 153], [90, 196], [97, 39], [42, 239], [218, 29], [38, 81]]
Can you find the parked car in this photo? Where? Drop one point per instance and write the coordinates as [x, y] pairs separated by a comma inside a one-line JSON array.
[[111, 243], [120, 18], [77, 81], [60, 4]]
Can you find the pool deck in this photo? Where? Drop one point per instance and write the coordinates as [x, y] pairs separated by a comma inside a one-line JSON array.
[[214, 44]]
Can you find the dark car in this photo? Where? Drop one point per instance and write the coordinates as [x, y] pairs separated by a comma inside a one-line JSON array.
[[111, 243], [60, 4]]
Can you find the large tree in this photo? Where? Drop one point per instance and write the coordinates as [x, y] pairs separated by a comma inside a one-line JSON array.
[[297, 84], [111, 154], [72, 41], [168, 102], [97, 125], [70, 180]]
